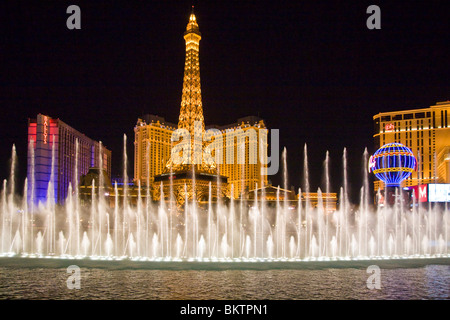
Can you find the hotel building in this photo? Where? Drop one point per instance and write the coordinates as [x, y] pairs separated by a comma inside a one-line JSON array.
[[153, 142], [248, 173], [426, 132], [152, 147], [46, 134]]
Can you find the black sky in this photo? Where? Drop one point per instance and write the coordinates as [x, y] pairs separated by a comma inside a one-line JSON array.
[[309, 68]]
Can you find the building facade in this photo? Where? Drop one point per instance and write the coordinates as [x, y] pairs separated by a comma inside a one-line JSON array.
[[152, 147], [329, 200], [243, 149], [51, 141], [426, 132]]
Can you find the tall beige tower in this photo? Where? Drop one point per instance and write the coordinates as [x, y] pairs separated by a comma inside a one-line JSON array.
[[191, 113], [156, 164], [188, 175], [191, 99]]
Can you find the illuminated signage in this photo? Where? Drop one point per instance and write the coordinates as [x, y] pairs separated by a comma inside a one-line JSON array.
[[423, 193], [439, 192], [45, 131], [389, 127], [420, 192], [371, 164]]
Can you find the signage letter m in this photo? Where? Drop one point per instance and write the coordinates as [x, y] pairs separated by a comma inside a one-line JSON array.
[[423, 193]]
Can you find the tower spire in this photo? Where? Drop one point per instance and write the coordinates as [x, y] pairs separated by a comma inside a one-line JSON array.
[[191, 112], [191, 100], [191, 172]]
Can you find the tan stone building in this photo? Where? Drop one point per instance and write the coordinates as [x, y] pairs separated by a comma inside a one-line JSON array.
[[152, 147], [241, 154], [153, 142]]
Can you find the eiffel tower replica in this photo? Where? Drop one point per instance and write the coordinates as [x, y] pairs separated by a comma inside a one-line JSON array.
[[189, 175]]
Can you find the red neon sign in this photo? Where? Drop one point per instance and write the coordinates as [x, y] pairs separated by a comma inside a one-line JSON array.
[[389, 127], [45, 132], [420, 192], [423, 197]]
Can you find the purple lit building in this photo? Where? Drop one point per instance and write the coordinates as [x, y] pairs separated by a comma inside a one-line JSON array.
[[43, 132]]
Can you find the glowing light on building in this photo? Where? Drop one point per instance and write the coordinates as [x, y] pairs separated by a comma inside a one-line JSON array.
[[392, 164], [45, 131], [426, 131], [63, 138], [371, 164], [389, 127]]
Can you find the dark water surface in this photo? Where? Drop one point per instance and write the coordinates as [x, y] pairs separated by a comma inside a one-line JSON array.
[[429, 282]]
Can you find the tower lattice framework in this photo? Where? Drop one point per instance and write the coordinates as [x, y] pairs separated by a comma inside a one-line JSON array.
[[191, 113], [190, 175]]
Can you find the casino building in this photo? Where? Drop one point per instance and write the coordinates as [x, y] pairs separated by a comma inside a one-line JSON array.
[[243, 136], [47, 135], [153, 142], [152, 147], [426, 132]]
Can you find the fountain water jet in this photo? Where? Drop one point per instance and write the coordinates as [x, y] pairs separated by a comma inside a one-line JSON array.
[[261, 229]]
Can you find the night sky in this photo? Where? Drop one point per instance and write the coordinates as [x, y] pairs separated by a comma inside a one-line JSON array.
[[310, 68]]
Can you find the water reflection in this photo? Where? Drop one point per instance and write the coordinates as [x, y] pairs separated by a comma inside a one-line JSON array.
[[431, 282]]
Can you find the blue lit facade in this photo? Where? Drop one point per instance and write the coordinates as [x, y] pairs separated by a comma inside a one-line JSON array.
[[47, 135]]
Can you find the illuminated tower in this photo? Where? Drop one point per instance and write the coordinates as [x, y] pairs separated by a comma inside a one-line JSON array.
[[190, 174], [191, 99], [191, 112]]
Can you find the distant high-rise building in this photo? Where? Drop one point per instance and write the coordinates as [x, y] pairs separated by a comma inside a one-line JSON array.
[[47, 135], [426, 132]]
